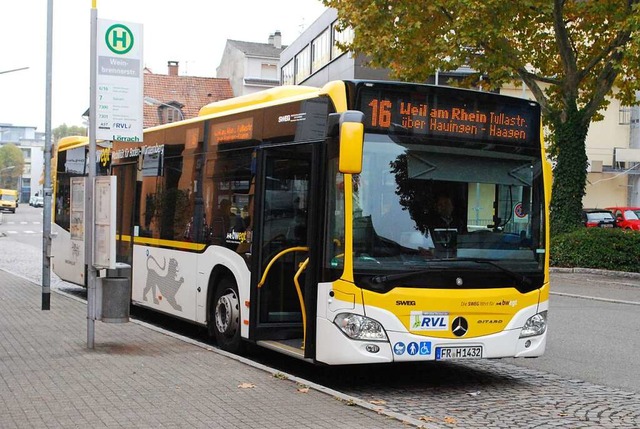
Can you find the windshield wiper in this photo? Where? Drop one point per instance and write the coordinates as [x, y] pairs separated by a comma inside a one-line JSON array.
[[524, 280], [394, 277]]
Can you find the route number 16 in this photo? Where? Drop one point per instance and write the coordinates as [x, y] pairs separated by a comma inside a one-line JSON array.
[[380, 113]]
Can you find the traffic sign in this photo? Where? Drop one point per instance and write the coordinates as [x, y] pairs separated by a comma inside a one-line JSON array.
[[119, 84]]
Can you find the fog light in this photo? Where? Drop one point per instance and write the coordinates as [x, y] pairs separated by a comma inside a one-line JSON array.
[[372, 348], [527, 344]]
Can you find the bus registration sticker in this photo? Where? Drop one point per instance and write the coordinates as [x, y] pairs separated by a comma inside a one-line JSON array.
[[445, 353]]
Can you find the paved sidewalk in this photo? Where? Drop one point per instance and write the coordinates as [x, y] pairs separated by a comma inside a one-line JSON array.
[[139, 377]]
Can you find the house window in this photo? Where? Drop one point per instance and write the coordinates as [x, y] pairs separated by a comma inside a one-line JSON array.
[[288, 73], [171, 114], [269, 71], [624, 115], [320, 50], [26, 153], [303, 64], [343, 37]]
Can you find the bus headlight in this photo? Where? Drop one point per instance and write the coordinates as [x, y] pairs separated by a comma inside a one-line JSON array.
[[535, 325], [360, 327]]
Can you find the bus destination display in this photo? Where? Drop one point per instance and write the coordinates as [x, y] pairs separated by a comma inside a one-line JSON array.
[[471, 119]]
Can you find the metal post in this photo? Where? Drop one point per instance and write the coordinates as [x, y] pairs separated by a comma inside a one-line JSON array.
[[46, 211], [88, 230]]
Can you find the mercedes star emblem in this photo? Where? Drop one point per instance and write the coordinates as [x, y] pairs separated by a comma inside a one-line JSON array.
[[460, 326]]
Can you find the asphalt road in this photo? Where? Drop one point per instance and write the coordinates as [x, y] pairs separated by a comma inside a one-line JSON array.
[[594, 330], [23, 226]]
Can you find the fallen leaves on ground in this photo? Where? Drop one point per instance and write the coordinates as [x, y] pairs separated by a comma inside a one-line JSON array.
[[427, 419]]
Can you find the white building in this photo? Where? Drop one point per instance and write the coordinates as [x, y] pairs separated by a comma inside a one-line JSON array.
[[31, 143], [250, 66]]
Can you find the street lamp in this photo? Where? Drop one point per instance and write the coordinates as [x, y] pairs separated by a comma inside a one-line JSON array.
[[153, 102], [13, 70]]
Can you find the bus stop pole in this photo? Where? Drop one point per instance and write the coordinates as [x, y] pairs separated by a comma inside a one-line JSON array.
[[88, 226], [46, 211]]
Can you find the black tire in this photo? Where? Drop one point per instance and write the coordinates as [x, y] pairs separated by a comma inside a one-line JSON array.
[[224, 316]]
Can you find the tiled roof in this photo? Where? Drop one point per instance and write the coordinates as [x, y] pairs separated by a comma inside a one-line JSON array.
[[189, 91], [257, 49]]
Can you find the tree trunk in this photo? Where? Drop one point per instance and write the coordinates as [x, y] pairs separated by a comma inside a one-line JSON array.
[[570, 173]]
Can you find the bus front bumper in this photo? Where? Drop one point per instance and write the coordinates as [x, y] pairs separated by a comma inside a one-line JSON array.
[[335, 348]]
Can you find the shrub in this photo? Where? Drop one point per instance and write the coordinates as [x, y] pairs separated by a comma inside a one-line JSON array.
[[607, 249]]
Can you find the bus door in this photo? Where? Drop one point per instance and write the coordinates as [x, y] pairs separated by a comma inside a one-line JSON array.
[[287, 201]]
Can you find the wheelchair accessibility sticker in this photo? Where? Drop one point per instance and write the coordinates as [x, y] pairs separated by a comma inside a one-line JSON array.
[[413, 348]]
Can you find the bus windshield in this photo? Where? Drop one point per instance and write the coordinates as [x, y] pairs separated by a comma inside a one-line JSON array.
[[416, 203]]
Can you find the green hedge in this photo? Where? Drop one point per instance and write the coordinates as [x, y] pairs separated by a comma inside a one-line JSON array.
[[607, 249]]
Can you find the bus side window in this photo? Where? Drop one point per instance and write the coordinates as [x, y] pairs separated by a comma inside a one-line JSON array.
[[63, 202]]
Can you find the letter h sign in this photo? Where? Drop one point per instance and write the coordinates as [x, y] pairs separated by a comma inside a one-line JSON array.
[[119, 39]]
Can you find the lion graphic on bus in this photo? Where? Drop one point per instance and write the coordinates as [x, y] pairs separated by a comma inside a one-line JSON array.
[[161, 284]]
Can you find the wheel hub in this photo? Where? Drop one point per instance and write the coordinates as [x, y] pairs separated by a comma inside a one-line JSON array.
[[227, 314]]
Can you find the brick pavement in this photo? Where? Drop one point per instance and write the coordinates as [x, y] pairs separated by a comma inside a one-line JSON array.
[[139, 377], [495, 394]]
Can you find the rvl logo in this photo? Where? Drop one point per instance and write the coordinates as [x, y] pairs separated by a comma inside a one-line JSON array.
[[429, 321]]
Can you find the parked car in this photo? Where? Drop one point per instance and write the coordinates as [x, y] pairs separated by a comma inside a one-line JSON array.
[[32, 200], [598, 218], [626, 217], [38, 202]]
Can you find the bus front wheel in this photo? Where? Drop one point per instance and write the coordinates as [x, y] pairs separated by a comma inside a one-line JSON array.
[[225, 316]]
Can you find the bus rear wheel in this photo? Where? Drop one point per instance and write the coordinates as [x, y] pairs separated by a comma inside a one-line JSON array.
[[225, 316]]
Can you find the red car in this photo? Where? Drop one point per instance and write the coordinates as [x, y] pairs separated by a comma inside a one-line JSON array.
[[627, 217]]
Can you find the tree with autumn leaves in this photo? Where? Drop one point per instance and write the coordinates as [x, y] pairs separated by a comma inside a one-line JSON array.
[[11, 166], [573, 55]]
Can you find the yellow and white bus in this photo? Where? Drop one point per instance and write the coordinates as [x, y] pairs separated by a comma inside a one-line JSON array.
[[304, 220]]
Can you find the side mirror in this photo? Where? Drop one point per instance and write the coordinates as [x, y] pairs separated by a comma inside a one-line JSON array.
[[351, 142]]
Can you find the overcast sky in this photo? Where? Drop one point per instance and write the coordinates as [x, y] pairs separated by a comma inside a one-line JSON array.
[[192, 32]]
